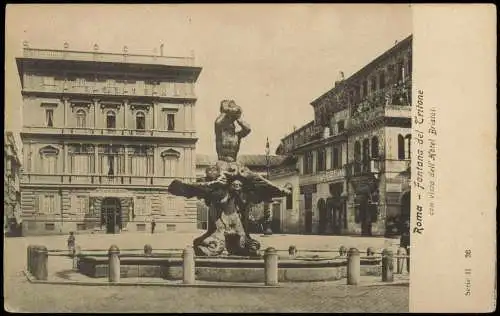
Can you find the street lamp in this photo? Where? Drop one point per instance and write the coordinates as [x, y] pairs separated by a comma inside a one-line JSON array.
[[267, 211]]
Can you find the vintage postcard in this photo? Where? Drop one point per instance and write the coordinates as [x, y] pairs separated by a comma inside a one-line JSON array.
[[250, 158]]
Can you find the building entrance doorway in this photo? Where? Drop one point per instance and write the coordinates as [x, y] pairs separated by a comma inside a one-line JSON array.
[[111, 215], [276, 223], [365, 218], [308, 212], [322, 216], [336, 219], [405, 210]]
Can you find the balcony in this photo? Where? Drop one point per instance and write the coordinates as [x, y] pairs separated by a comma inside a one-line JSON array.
[[53, 54], [322, 176], [184, 92], [126, 180], [108, 132]]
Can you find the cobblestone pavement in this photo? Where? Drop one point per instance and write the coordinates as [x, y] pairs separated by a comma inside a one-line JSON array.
[[22, 296]]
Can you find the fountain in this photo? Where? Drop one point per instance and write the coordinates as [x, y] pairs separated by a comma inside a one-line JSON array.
[[226, 252], [229, 190]]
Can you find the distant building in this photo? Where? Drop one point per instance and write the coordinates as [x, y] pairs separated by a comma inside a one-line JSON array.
[[12, 195], [354, 157], [104, 134]]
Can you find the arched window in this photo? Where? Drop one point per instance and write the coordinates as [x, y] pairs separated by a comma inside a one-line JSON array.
[[401, 147], [140, 121], [170, 162], [289, 198], [375, 149], [408, 146], [81, 119], [357, 151], [366, 150], [110, 119]]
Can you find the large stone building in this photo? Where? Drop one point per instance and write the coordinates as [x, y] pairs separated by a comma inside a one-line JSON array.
[[11, 192], [354, 157], [104, 134]]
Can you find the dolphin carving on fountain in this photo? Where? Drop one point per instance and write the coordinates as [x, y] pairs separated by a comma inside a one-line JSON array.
[[229, 190]]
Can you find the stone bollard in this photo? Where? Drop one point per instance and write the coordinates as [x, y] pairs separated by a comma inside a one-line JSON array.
[[400, 261], [292, 251], [41, 263], [271, 266], [29, 259], [370, 252], [353, 266], [148, 250], [387, 266], [114, 264], [342, 251], [76, 256], [188, 266]]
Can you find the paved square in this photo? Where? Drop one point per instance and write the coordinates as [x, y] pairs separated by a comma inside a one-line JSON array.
[[22, 296]]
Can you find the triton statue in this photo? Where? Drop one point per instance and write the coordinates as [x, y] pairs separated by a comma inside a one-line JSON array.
[[229, 189]]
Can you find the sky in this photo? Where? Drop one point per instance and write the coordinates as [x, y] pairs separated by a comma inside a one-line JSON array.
[[273, 60]]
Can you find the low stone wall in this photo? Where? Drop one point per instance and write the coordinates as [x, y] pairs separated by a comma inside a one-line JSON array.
[[228, 270]]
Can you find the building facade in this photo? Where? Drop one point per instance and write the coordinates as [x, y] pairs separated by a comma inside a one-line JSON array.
[[104, 134], [11, 188], [354, 157]]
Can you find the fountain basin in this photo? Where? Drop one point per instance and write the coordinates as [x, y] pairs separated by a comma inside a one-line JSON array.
[[227, 269]]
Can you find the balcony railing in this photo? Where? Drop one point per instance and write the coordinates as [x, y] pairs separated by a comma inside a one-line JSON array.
[[107, 132], [52, 54], [37, 178], [184, 92], [323, 176]]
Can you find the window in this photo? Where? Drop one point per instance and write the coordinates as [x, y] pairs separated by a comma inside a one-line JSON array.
[[49, 204], [366, 149], [141, 161], [401, 71], [289, 199], [110, 119], [336, 158], [169, 204], [111, 165], [401, 147], [321, 166], [140, 205], [81, 205], [357, 151], [373, 84], [82, 159], [170, 162], [170, 121], [375, 149], [48, 157], [140, 121], [365, 88], [80, 119], [381, 80], [49, 117], [340, 126], [408, 146], [50, 226], [308, 163]]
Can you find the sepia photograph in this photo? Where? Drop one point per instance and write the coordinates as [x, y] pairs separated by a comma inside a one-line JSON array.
[[210, 158]]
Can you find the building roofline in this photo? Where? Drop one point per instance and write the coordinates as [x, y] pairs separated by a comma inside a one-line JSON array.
[[377, 59]]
